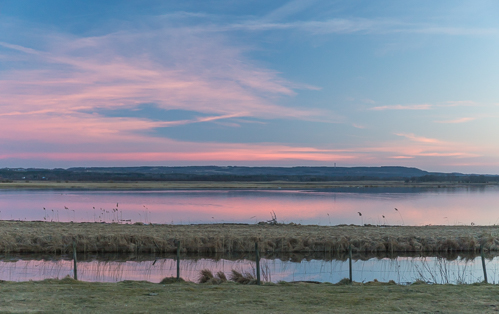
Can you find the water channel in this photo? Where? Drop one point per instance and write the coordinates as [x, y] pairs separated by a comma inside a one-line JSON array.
[[401, 269]]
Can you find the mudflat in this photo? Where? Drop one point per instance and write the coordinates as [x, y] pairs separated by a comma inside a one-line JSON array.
[[172, 185]]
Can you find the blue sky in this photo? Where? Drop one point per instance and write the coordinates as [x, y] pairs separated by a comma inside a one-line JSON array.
[[279, 83]]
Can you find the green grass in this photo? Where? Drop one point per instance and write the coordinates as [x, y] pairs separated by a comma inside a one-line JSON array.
[[68, 295]]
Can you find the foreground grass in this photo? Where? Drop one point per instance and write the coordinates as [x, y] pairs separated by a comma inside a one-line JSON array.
[[68, 295]]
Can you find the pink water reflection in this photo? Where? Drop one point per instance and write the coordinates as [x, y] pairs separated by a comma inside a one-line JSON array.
[[415, 207], [401, 269]]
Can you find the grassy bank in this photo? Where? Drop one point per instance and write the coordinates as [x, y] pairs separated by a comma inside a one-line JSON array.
[[172, 185], [68, 295], [55, 237]]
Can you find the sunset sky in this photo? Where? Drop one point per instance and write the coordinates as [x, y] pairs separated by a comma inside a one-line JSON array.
[[274, 83]]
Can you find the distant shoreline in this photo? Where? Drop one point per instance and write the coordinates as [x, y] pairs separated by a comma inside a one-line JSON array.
[[215, 185]]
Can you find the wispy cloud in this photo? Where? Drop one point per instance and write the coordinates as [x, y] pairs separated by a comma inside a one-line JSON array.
[[420, 139], [460, 120], [180, 71], [459, 103], [337, 26], [289, 9], [53, 97], [358, 126], [358, 25], [403, 107], [184, 71], [20, 48], [200, 119]]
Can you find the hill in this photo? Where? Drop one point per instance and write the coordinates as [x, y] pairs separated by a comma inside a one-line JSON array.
[[233, 173]]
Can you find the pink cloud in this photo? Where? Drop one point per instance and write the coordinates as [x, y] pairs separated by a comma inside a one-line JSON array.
[[461, 120], [50, 99], [421, 139], [459, 103], [403, 107], [180, 71], [231, 153], [42, 104]]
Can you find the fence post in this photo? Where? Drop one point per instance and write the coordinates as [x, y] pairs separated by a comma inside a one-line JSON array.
[[178, 260], [350, 261], [483, 264], [257, 264], [75, 270]]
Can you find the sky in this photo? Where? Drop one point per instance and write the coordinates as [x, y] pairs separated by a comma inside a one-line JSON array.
[[250, 83]]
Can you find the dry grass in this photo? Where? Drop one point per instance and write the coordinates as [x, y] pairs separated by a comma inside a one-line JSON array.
[[245, 279], [69, 296], [172, 185], [54, 237], [206, 276], [221, 276]]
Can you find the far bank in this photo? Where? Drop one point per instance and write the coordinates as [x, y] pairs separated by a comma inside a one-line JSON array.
[[196, 185]]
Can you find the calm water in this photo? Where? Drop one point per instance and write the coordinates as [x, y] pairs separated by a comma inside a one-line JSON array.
[[457, 206], [415, 207], [402, 270]]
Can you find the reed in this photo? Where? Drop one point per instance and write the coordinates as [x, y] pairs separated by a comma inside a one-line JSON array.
[[206, 276], [245, 278], [54, 237]]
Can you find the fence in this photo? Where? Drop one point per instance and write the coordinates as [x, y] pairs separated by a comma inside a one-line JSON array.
[[360, 269]]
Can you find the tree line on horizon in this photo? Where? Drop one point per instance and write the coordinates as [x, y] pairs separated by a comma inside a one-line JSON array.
[[221, 174]]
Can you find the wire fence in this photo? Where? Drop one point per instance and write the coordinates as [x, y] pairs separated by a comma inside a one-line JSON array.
[[402, 270]]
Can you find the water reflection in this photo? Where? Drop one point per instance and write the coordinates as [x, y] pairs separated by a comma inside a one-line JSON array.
[[416, 206], [113, 268]]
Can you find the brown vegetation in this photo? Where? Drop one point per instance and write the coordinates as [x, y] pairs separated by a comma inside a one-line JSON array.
[[54, 237], [206, 276], [245, 279]]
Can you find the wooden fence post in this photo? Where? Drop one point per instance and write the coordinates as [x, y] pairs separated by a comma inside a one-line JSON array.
[[75, 270], [257, 264], [483, 264], [178, 260], [350, 262]]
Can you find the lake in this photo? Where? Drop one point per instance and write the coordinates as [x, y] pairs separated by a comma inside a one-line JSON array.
[[377, 206]]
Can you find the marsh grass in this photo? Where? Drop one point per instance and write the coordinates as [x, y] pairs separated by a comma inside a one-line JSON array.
[[244, 278], [206, 276], [444, 271], [54, 237]]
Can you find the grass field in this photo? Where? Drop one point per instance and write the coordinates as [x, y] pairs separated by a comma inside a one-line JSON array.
[[67, 295], [58, 237]]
